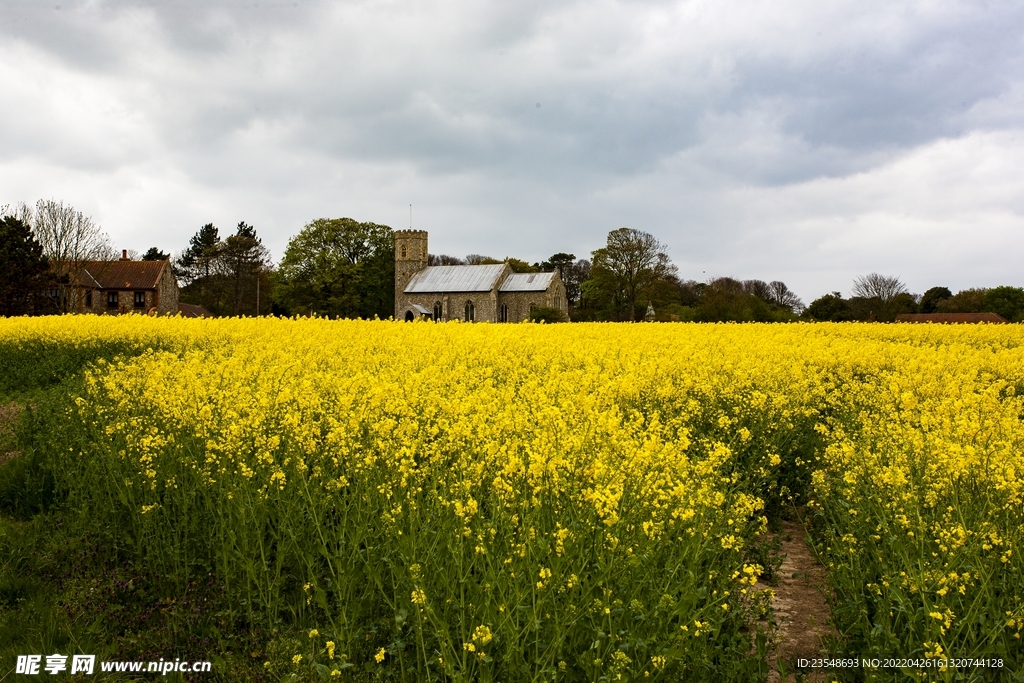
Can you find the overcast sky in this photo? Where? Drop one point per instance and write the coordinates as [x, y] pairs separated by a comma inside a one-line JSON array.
[[804, 141]]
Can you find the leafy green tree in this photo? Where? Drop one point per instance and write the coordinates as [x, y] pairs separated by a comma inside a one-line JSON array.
[[830, 307], [23, 270], [520, 266], [727, 299], [339, 267], [930, 299], [154, 254], [964, 301], [1006, 301], [547, 315], [622, 270]]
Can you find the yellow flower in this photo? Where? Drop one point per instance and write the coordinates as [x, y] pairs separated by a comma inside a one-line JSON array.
[[379, 657]]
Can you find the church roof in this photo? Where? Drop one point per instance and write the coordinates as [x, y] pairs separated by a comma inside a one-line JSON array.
[[455, 279], [526, 282]]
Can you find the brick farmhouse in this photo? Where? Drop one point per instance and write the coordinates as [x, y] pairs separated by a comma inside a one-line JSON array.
[[124, 286]]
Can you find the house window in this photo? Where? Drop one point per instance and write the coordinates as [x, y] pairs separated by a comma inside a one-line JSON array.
[[504, 313], [469, 312], [438, 310], [88, 299], [111, 299], [140, 299]]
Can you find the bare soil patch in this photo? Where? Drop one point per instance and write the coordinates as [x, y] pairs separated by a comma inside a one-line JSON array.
[[801, 611]]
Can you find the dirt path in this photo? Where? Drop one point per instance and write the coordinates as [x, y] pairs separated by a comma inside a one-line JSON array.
[[801, 612]]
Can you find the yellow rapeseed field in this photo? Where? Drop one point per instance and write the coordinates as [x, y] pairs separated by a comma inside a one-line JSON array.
[[554, 502]]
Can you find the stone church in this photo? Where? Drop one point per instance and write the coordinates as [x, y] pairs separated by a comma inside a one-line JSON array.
[[485, 293]]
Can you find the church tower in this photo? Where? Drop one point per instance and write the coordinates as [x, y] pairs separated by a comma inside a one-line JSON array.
[[410, 258]]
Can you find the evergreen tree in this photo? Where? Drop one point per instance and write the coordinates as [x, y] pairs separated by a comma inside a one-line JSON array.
[[154, 254], [23, 270], [242, 258], [198, 260]]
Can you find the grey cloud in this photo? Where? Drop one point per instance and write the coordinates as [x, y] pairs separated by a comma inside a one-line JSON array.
[[730, 130]]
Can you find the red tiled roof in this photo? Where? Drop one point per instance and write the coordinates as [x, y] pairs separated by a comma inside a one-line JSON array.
[[122, 274], [950, 318]]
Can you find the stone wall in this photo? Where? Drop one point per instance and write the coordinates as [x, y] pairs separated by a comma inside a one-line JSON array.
[[453, 305], [519, 303], [166, 299], [410, 258]]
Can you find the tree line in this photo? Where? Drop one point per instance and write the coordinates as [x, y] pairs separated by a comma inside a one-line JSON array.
[[881, 298], [343, 268]]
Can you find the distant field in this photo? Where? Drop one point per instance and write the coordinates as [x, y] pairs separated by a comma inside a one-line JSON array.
[[357, 500]]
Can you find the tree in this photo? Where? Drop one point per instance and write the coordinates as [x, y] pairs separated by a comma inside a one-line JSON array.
[[1006, 301], [878, 296], [931, 298], [154, 254], [547, 315], [965, 301], [630, 262], [339, 268], [830, 307], [520, 266], [69, 239], [728, 299], [225, 276], [23, 270], [559, 262], [572, 272], [781, 296], [573, 276], [444, 260], [242, 258], [197, 261], [480, 260]]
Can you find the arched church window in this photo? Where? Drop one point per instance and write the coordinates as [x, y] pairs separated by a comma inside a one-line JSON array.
[[470, 313], [409, 317], [504, 313], [438, 310], [405, 251]]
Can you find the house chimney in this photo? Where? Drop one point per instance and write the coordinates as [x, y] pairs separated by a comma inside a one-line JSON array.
[[124, 254]]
